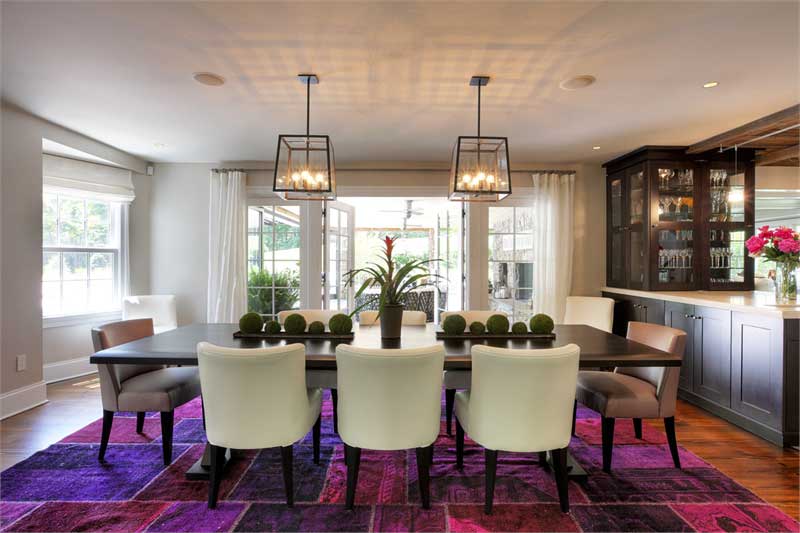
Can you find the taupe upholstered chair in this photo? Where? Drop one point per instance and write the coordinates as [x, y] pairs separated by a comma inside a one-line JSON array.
[[140, 388], [636, 392]]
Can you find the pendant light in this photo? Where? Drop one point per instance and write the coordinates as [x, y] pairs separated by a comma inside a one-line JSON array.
[[304, 164], [479, 170]]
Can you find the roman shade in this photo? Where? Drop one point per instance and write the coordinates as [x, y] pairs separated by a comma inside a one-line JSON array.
[[61, 174]]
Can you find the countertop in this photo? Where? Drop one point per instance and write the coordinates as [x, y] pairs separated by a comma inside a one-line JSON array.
[[745, 301]]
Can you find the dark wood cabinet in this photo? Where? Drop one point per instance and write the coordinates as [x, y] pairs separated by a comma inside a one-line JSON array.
[[711, 359], [636, 309], [678, 221], [681, 316]]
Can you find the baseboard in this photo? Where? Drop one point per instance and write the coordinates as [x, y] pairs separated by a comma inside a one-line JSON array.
[[71, 368], [22, 399]]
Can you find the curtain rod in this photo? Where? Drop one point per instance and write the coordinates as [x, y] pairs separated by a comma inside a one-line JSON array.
[[549, 171]]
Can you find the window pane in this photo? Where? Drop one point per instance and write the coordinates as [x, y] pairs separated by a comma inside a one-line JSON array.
[[253, 220], [524, 275], [287, 246], [287, 274], [49, 220], [51, 270], [259, 301], [51, 298], [98, 224], [524, 247], [523, 217], [501, 247], [501, 219], [102, 266], [101, 294], [286, 299], [71, 231], [74, 300], [252, 247], [74, 266], [260, 278]]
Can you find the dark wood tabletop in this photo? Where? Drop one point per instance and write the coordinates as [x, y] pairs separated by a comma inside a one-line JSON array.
[[178, 347]]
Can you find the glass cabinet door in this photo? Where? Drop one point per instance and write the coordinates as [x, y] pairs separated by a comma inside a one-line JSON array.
[[675, 195], [637, 253], [616, 238], [674, 226], [675, 256], [727, 263]]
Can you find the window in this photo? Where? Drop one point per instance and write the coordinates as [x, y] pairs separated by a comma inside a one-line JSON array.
[[80, 255], [273, 253], [339, 220], [510, 261]]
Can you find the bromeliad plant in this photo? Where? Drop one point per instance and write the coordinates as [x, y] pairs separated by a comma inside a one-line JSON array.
[[393, 280], [781, 245]]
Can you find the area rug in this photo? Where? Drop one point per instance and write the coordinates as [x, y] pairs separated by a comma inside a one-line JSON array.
[[65, 488]]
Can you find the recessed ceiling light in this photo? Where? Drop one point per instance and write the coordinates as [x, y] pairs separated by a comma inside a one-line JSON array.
[[595, 147], [578, 82], [159, 145], [710, 84], [208, 78]]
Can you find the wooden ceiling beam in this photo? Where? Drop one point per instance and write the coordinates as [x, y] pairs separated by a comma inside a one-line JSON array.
[[788, 155], [774, 122]]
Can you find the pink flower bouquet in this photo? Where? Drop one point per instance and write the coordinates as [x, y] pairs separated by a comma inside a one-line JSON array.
[[781, 245]]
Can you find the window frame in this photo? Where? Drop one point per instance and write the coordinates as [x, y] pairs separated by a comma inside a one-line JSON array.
[[514, 286]]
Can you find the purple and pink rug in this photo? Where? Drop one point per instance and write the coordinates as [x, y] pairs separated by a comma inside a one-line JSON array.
[[64, 488]]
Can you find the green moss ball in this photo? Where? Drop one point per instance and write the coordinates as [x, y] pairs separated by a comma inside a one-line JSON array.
[[272, 327], [316, 328], [497, 324], [542, 324], [454, 325], [295, 324], [519, 328], [251, 323], [340, 324], [477, 328]]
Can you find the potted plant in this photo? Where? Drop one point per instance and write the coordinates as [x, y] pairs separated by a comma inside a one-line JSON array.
[[394, 281], [781, 245]]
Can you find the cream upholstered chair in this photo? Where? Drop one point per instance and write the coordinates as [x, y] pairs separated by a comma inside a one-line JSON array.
[[460, 379], [520, 401], [590, 310], [410, 318], [257, 398], [636, 392], [160, 307], [140, 388], [311, 315], [389, 400]]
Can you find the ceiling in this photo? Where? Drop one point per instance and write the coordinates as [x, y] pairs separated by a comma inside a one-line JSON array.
[[394, 76]]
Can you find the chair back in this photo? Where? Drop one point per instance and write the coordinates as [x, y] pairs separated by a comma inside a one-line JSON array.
[[471, 316], [664, 379], [160, 307], [389, 399], [253, 398], [591, 311], [410, 318], [112, 376], [522, 400], [311, 315]]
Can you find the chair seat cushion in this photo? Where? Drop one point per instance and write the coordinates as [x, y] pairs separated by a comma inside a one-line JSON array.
[[159, 390], [321, 379], [457, 379], [617, 395]]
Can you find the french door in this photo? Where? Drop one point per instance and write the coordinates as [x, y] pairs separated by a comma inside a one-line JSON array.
[[338, 256]]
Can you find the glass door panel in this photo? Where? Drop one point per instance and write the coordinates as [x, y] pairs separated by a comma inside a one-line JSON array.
[[726, 256], [675, 256], [637, 253], [675, 194], [726, 191], [338, 256], [616, 251]]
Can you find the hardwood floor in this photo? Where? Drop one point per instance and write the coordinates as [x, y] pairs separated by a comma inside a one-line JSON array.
[[766, 469]]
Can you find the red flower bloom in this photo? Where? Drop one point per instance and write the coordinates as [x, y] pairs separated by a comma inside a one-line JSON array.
[[389, 242], [755, 244], [764, 232], [783, 233], [789, 246]]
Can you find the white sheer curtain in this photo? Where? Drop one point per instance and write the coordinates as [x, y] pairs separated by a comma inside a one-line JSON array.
[[227, 247], [552, 241]]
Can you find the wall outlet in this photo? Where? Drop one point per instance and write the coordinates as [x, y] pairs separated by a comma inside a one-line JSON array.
[[22, 362]]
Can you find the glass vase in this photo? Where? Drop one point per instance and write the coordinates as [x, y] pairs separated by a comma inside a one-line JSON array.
[[786, 282]]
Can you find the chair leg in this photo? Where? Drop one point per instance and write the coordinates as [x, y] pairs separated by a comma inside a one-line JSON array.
[[215, 475], [167, 419], [108, 420], [140, 422], [449, 402], [203, 410], [459, 444], [637, 428], [491, 473], [288, 473], [424, 474], [335, 402], [315, 438], [669, 427], [608, 442], [574, 416], [543, 459], [353, 458], [562, 481]]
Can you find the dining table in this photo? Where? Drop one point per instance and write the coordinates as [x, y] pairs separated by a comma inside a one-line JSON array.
[[598, 349]]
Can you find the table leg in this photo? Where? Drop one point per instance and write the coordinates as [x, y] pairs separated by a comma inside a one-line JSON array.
[[201, 468], [574, 470]]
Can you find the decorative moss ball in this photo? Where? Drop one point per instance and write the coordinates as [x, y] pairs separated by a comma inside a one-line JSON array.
[[340, 324], [295, 324], [272, 327], [454, 325], [477, 328], [497, 324], [542, 324], [519, 328], [251, 323], [316, 328]]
